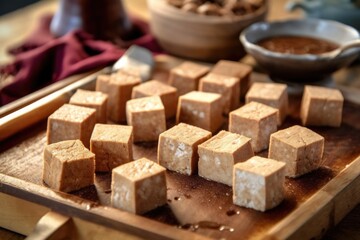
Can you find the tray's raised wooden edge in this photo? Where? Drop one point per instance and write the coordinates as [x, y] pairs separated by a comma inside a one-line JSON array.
[[324, 209], [32, 97], [42, 108], [74, 206]]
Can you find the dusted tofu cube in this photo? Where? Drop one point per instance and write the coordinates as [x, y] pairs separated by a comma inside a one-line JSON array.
[[138, 186], [71, 122], [201, 109], [118, 86], [299, 147], [256, 121], [68, 166], [112, 145], [147, 116], [186, 76], [272, 94], [177, 149], [167, 93], [219, 154], [258, 183], [228, 87], [92, 99], [321, 106], [234, 69]]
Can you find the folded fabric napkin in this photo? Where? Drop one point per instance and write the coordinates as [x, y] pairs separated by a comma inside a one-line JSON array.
[[43, 59]]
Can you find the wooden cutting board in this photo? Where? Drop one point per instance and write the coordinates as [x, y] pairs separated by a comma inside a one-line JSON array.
[[196, 208]]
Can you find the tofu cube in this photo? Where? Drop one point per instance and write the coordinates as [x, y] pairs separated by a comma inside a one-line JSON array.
[[68, 166], [272, 94], [256, 121], [258, 183], [71, 122], [147, 116], [234, 69], [138, 186], [112, 146], [118, 86], [219, 154], [228, 87], [321, 106], [178, 148], [167, 93], [92, 99], [201, 109], [186, 76], [299, 147]]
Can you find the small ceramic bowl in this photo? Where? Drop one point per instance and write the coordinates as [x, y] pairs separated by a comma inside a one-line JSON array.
[[294, 67], [199, 37]]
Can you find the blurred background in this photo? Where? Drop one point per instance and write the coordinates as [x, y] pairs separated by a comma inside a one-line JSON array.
[[9, 6]]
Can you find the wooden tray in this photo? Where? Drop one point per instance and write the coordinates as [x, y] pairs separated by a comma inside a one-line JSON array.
[[196, 208]]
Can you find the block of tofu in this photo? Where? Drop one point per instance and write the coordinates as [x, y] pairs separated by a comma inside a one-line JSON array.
[[71, 122], [234, 69], [68, 166], [256, 121], [118, 86], [299, 147], [201, 109], [92, 99], [272, 94], [321, 106], [186, 76], [138, 186], [147, 116], [219, 154], [178, 148], [258, 183], [112, 146], [228, 87], [167, 93]]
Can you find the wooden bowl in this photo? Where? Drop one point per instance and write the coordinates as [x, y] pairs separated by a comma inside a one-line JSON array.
[[199, 37]]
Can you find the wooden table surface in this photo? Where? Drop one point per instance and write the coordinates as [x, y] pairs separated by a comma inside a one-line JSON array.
[[14, 28]]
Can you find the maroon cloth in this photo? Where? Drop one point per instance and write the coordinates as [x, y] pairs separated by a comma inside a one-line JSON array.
[[43, 59]]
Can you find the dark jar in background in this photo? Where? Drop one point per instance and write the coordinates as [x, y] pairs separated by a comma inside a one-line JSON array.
[[104, 19]]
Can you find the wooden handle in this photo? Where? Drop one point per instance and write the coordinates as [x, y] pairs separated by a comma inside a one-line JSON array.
[[52, 226]]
